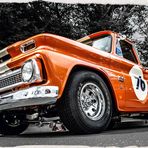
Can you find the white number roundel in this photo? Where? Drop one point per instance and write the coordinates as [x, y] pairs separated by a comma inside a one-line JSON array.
[[139, 84]]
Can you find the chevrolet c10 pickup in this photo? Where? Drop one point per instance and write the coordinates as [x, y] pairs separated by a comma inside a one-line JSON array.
[[89, 83]]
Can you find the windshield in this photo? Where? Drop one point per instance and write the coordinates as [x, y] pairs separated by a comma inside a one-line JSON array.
[[103, 43]]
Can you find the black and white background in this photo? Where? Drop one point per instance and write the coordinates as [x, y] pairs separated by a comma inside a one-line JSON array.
[[19, 21]]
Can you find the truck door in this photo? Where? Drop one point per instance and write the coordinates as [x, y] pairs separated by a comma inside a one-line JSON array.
[[134, 79]]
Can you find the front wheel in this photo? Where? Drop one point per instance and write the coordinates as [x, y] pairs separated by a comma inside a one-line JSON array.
[[12, 124], [86, 106]]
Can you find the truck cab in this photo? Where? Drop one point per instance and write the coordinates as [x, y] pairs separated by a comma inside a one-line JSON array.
[[85, 83]]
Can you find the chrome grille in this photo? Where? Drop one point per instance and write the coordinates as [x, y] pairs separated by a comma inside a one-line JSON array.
[[10, 80]]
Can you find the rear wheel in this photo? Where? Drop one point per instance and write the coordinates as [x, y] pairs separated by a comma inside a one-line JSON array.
[[86, 106], [12, 124]]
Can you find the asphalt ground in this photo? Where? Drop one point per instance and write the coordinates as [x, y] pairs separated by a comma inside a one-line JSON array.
[[125, 134]]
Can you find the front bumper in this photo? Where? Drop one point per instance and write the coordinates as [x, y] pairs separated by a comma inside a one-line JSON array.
[[39, 95]]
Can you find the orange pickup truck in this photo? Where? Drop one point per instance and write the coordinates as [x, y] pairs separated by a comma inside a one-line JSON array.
[[89, 83]]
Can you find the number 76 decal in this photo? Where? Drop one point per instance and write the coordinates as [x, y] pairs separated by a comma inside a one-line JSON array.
[[140, 85]]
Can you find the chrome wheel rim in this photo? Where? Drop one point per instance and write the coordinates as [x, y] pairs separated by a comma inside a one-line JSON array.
[[92, 101]]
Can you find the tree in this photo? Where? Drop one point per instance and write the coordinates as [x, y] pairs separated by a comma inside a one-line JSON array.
[[19, 21]]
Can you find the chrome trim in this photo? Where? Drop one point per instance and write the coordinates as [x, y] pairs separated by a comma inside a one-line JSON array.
[[11, 86], [27, 103], [120, 78], [38, 95], [92, 101], [3, 52], [27, 44], [36, 76], [4, 67], [36, 71], [10, 74]]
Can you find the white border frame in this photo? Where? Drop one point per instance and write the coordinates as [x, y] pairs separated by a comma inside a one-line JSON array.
[[138, 2]]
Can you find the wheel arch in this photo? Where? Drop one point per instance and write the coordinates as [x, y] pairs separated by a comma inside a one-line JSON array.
[[103, 76]]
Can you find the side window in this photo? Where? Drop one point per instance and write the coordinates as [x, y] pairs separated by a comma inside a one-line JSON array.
[[125, 50], [103, 43]]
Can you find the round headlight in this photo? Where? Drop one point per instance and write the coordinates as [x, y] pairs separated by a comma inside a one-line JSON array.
[[27, 71]]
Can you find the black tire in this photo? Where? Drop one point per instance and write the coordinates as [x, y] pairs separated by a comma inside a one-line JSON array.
[[70, 107], [111, 125], [12, 124]]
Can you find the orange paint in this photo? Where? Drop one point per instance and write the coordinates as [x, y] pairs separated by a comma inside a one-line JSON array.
[[58, 56]]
